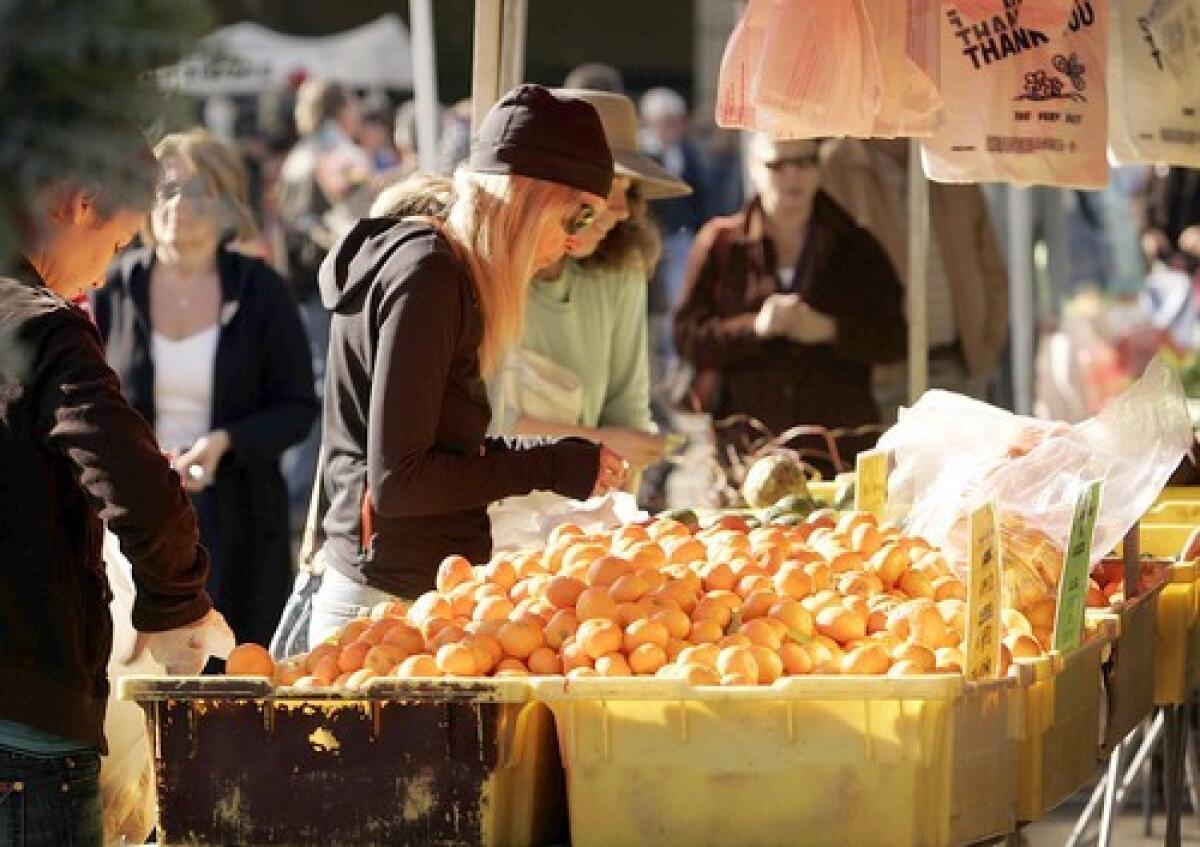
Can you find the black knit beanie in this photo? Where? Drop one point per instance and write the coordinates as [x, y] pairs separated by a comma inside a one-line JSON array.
[[535, 133]]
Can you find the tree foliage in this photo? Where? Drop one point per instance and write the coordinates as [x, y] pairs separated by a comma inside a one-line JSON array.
[[74, 76]]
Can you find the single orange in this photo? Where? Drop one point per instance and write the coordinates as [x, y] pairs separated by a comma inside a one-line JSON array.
[[646, 659], [595, 603], [613, 664], [698, 675], [770, 665], [502, 573], [564, 591], [511, 667], [676, 621], [451, 572], [519, 639], [382, 660], [544, 662], [645, 632], [840, 624], [456, 660], [598, 637], [563, 624], [421, 665], [738, 660], [705, 631], [629, 588], [250, 660], [796, 659], [429, 605], [352, 657], [493, 608], [760, 632]]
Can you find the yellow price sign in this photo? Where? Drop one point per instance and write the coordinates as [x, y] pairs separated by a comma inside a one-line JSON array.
[[983, 597], [871, 488]]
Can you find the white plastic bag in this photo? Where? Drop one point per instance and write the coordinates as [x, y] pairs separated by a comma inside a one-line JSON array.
[[1024, 105], [1155, 81], [127, 790], [954, 454], [525, 523]]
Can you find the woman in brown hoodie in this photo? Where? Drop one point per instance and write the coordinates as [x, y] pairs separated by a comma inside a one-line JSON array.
[[422, 312]]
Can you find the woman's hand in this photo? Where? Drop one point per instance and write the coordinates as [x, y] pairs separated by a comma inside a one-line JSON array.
[[641, 449], [611, 474], [198, 466]]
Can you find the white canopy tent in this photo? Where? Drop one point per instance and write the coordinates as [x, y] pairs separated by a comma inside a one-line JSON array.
[[245, 58]]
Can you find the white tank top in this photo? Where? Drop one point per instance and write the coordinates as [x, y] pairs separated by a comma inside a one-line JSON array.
[[183, 383]]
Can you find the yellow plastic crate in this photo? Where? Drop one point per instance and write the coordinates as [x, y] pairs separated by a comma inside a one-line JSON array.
[[1178, 492], [1164, 540], [1175, 664], [1173, 512], [401, 762], [1060, 750], [810, 760]]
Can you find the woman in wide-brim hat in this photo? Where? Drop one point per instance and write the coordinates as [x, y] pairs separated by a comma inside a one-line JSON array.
[[423, 311], [588, 312]]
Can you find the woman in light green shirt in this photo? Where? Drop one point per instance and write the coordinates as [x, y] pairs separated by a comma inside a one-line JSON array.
[[587, 315], [582, 368]]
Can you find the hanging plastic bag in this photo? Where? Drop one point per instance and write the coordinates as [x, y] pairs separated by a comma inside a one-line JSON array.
[[850, 68], [909, 102], [1023, 105], [127, 791], [819, 72], [954, 454], [739, 66], [1155, 82]]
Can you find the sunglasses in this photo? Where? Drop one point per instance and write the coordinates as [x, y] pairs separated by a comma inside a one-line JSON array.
[[803, 162], [580, 219], [194, 191]]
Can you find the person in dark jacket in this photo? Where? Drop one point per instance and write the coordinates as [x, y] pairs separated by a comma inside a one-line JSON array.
[[423, 311], [211, 350], [787, 305], [74, 453]]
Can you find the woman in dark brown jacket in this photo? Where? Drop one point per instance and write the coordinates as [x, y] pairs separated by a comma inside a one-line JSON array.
[[787, 305]]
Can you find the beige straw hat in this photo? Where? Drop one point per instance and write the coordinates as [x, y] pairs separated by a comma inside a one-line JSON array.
[[619, 117]]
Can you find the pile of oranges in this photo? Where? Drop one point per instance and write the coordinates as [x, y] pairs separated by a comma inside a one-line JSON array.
[[726, 605]]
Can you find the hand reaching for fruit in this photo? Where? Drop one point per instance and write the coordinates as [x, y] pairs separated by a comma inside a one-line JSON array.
[[185, 651], [640, 448], [611, 474]]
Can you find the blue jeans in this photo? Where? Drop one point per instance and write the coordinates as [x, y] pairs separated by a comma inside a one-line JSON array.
[[338, 601], [50, 801]]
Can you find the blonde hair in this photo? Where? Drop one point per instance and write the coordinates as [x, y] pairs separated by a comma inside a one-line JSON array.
[[317, 101], [416, 195], [220, 166], [494, 224]]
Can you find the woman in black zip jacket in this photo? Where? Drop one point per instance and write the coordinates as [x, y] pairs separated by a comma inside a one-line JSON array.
[[423, 311]]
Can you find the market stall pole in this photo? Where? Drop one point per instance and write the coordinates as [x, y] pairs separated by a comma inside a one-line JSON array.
[[498, 62], [425, 90], [1020, 294], [918, 269]]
